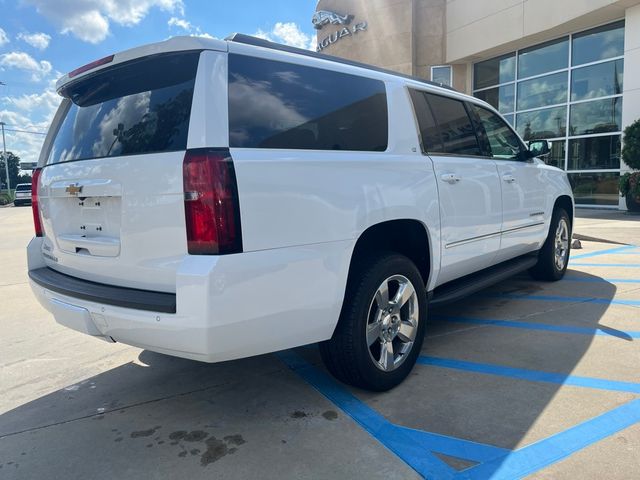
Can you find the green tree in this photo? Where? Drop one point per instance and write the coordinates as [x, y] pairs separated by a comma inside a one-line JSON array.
[[14, 169]]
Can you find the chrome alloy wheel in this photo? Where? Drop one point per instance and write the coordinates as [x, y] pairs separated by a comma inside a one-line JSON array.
[[561, 245], [392, 322]]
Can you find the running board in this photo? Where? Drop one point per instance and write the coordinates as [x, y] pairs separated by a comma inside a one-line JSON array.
[[462, 287]]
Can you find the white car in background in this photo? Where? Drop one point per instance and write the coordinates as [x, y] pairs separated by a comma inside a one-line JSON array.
[[22, 195], [215, 200]]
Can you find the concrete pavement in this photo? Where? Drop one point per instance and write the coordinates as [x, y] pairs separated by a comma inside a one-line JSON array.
[[526, 378]]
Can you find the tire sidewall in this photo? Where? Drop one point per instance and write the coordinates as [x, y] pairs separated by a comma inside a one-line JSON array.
[[557, 216], [363, 295]]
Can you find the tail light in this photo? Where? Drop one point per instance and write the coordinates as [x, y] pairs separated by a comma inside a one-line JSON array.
[[35, 207], [212, 209]]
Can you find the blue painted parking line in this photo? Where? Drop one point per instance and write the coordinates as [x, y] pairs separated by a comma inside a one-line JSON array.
[[597, 331], [532, 375], [626, 265], [534, 457], [571, 278], [560, 298], [608, 251], [417, 447]]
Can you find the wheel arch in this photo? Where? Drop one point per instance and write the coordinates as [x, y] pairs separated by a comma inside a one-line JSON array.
[[409, 237], [565, 202]]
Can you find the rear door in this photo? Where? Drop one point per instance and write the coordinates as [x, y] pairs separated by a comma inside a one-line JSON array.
[[523, 186], [111, 191], [468, 185]]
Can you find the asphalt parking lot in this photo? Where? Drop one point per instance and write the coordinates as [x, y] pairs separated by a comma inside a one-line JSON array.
[[526, 379]]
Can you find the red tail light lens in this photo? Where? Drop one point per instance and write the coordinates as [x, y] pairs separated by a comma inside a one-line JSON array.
[[35, 177], [212, 210]]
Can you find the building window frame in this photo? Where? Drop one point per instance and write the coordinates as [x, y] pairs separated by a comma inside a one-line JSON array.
[[450, 67], [568, 103]]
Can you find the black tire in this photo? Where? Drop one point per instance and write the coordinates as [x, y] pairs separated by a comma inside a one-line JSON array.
[[347, 355], [546, 269]]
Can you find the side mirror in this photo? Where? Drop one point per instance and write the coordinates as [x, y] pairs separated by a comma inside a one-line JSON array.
[[539, 148]]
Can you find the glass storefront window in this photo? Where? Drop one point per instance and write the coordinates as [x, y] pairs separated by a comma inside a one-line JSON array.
[[594, 153], [543, 58], [595, 188], [542, 91], [501, 98], [598, 44], [598, 116], [566, 88], [442, 75], [599, 80], [495, 71], [541, 124]]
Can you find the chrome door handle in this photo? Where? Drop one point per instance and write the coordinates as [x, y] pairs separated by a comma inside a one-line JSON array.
[[450, 178], [509, 178]]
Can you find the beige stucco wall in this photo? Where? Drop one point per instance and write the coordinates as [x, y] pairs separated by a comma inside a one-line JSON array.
[[485, 28]]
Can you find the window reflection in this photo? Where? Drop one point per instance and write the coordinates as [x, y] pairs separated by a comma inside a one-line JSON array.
[[595, 153], [494, 71], [598, 116], [501, 98], [542, 91], [598, 44], [599, 80], [595, 188], [541, 124], [543, 58]]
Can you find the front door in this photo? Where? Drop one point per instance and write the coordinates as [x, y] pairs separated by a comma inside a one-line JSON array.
[[468, 185], [523, 187]]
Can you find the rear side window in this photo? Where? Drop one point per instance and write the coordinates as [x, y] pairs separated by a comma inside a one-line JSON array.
[[283, 105], [138, 107], [456, 135]]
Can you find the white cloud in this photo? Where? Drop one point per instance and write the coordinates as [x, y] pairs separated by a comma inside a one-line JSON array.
[[89, 20], [188, 27], [38, 40], [4, 38], [180, 23], [24, 61], [290, 34]]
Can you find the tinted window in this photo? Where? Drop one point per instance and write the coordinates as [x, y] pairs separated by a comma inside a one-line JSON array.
[[283, 105], [494, 71], [501, 98], [543, 58], [503, 142], [598, 44], [456, 129], [137, 107], [599, 80], [542, 91], [431, 140], [23, 187], [541, 124]]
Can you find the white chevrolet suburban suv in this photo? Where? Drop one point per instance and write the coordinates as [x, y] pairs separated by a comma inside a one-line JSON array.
[[215, 199]]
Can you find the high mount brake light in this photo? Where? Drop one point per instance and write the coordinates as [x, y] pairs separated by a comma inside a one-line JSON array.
[[90, 66], [35, 207], [212, 209]]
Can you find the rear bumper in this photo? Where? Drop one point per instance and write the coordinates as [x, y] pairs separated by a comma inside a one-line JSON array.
[[226, 307]]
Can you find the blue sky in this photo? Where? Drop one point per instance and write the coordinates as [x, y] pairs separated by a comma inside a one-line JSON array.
[[41, 39]]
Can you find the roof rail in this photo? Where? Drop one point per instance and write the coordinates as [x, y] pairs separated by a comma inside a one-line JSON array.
[[261, 42]]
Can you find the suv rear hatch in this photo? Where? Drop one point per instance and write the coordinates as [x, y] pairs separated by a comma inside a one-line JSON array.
[[111, 190]]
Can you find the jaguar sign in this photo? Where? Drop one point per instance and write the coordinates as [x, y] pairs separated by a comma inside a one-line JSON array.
[[325, 17]]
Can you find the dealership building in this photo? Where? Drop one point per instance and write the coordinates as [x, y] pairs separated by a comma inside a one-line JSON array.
[[563, 70]]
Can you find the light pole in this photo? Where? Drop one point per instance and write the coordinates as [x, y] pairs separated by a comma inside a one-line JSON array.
[[6, 160]]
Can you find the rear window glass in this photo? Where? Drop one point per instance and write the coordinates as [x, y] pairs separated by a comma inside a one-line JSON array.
[[282, 105], [23, 187], [138, 107]]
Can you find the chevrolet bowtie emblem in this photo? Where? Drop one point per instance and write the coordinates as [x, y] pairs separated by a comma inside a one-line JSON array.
[[73, 189]]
